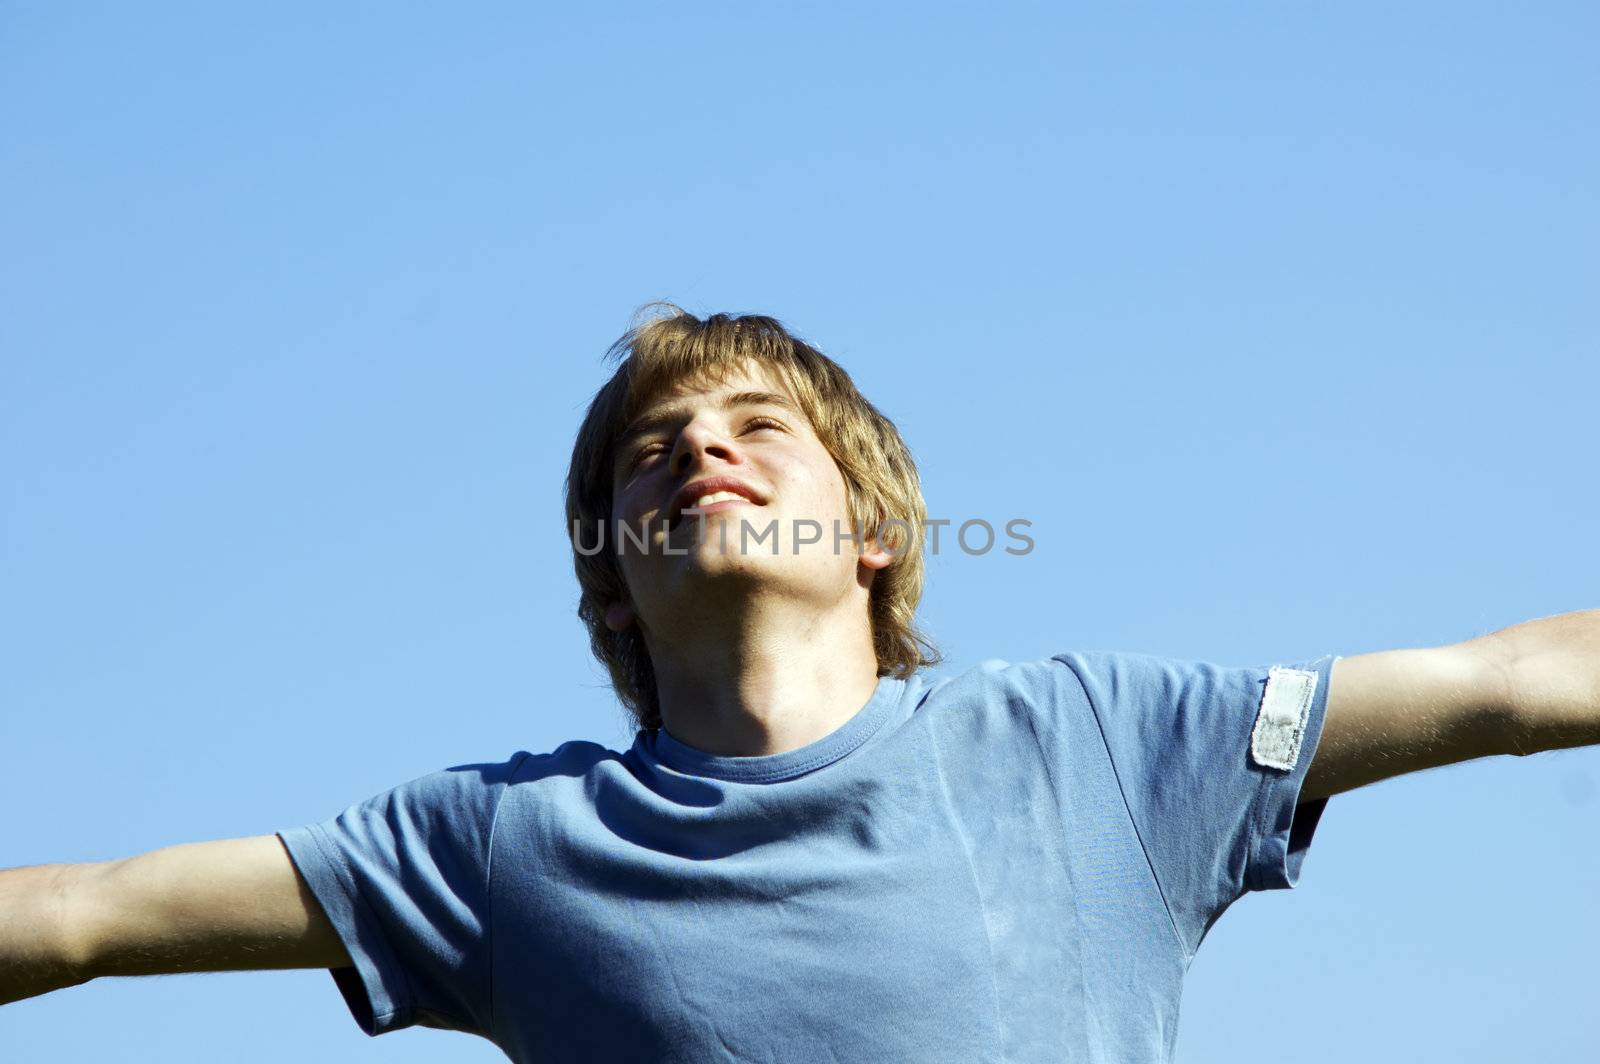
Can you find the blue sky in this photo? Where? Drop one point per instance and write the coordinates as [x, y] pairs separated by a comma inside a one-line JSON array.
[[1279, 323]]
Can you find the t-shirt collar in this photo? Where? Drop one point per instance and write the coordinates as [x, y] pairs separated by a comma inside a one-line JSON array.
[[661, 747]]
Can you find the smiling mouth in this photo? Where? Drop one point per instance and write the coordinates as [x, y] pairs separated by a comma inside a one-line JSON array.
[[708, 508], [710, 503]]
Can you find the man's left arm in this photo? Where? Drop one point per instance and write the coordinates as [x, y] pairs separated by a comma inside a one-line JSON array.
[[1530, 687]]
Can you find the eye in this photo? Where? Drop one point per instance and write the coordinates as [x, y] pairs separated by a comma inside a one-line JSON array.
[[646, 451], [650, 449]]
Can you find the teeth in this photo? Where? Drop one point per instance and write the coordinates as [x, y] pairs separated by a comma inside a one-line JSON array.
[[717, 496]]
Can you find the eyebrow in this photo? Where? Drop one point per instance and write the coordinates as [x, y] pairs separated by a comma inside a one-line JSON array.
[[655, 419]]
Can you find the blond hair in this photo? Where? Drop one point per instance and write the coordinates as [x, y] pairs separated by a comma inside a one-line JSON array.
[[880, 477]]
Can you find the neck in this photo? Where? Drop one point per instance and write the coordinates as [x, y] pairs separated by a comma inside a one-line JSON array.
[[764, 677]]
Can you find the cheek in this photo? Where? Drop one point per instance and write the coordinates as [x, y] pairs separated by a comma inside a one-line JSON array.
[[838, 494], [631, 502], [825, 499], [622, 505], [823, 482]]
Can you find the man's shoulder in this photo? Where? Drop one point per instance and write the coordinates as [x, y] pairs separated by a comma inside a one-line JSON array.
[[575, 757], [482, 783], [1020, 690], [1023, 676]]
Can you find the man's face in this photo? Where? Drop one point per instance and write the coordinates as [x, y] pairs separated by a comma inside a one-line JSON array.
[[748, 437]]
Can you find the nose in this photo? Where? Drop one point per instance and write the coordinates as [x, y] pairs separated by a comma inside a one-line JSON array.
[[699, 441]]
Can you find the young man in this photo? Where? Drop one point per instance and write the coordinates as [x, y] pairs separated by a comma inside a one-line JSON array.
[[812, 850]]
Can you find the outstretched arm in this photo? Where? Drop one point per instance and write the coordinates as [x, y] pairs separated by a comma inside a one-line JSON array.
[[36, 955], [1530, 687], [230, 905]]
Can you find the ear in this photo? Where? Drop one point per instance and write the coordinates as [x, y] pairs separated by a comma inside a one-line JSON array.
[[619, 616], [875, 556]]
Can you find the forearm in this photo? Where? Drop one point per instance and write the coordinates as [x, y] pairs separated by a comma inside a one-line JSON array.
[[36, 951], [1552, 673]]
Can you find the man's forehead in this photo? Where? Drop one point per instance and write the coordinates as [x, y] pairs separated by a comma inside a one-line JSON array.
[[748, 384], [746, 376]]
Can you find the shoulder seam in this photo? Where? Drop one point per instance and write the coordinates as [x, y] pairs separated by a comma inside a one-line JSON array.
[[1122, 792], [488, 884]]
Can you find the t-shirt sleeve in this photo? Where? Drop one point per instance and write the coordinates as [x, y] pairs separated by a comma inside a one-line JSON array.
[[1210, 760], [403, 876]]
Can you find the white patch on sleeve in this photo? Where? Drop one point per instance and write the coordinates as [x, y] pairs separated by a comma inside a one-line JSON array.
[[1281, 723]]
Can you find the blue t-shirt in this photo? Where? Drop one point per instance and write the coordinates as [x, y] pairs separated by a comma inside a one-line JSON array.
[[1014, 864]]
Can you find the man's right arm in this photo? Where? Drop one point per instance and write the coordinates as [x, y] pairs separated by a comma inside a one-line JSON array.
[[229, 905]]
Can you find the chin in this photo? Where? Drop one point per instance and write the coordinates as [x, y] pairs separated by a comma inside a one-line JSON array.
[[708, 556], [722, 535]]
